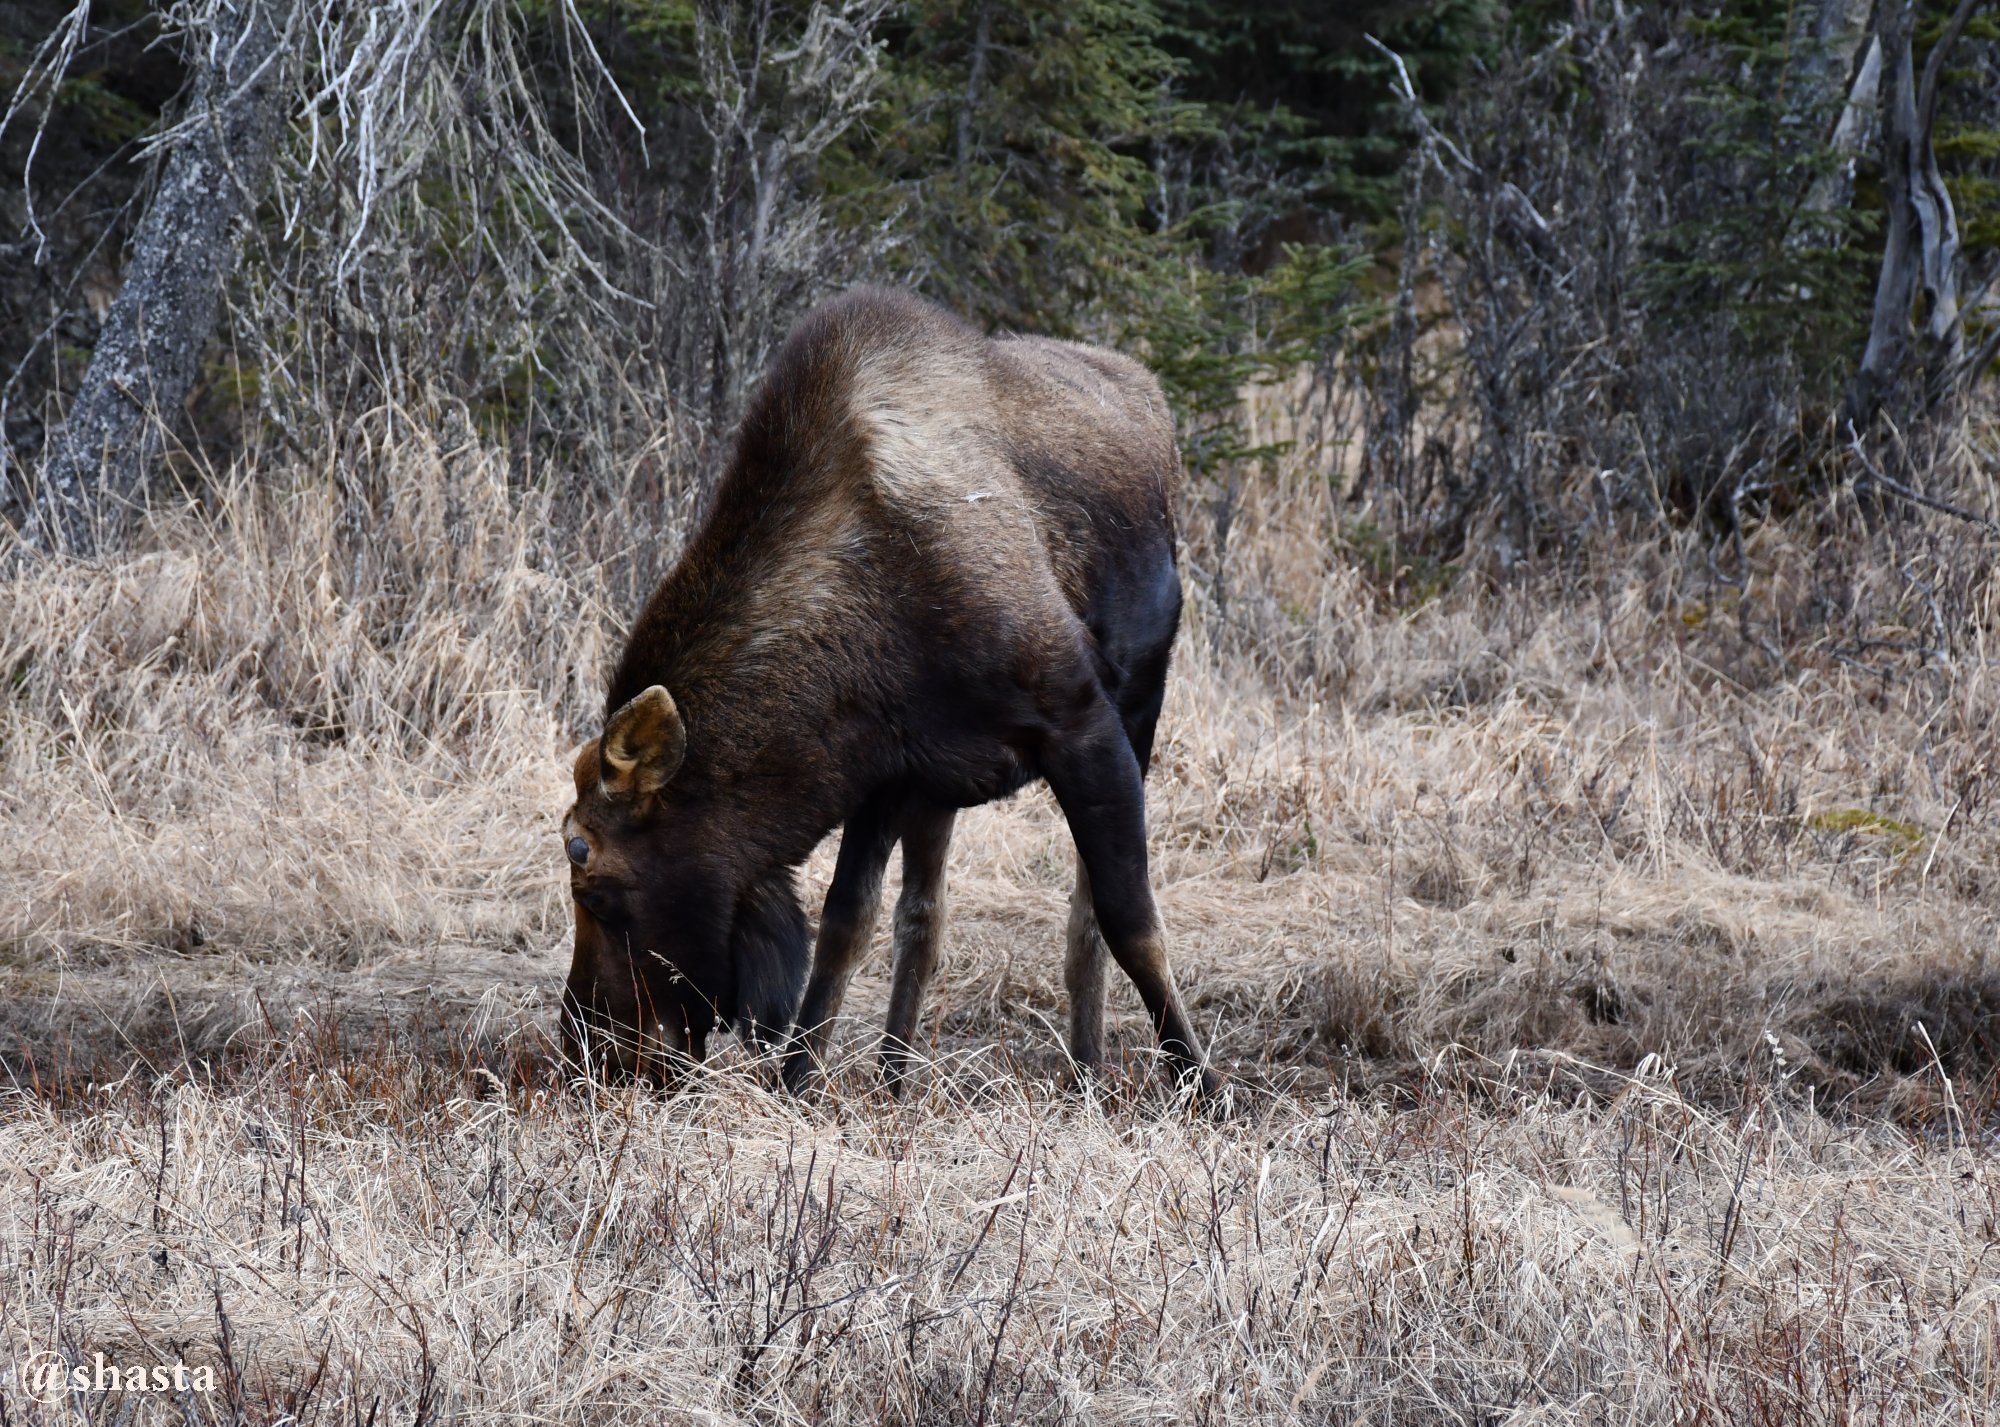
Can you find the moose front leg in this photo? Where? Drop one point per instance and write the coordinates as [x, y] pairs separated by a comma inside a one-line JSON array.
[[919, 929], [846, 923], [1095, 777]]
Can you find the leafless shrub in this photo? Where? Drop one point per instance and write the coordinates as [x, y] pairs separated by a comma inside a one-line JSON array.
[[779, 91], [1541, 389], [1532, 233], [436, 234], [431, 231]]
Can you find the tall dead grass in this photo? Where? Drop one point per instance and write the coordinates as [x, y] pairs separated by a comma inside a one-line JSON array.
[[319, 726]]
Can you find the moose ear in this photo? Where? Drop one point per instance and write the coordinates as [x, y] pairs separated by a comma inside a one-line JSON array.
[[642, 746]]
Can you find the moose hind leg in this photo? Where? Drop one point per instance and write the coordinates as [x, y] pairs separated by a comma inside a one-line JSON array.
[[1095, 776], [919, 930], [1083, 976], [846, 923], [1139, 704]]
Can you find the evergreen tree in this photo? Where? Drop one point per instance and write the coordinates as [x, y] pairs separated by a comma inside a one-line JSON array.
[[1012, 138], [1762, 238]]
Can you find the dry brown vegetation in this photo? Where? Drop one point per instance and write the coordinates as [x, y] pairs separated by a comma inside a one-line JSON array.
[[1604, 966]]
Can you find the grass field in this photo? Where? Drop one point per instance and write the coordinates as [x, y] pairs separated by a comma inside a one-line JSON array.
[[1604, 970]]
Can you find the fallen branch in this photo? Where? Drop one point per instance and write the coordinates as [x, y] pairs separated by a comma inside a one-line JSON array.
[[1895, 487]]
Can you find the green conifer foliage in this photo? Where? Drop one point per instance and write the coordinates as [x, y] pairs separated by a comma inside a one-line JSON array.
[[1746, 244], [1009, 152]]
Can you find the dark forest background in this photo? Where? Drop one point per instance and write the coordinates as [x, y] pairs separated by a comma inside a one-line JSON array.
[[1657, 266]]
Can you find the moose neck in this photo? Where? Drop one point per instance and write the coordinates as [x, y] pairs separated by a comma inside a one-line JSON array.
[[752, 632]]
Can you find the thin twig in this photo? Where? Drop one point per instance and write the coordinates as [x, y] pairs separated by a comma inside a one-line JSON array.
[[1896, 488]]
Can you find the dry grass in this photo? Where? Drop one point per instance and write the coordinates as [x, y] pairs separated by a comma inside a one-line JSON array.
[[1567, 947], [341, 1234]]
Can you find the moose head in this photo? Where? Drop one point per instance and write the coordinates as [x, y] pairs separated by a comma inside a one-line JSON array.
[[673, 936]]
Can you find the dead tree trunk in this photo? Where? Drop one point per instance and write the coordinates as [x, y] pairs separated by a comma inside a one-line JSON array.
[[147, 355], [1827, 40], [1914, 334]]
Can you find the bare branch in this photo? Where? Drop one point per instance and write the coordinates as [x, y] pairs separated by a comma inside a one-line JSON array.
[[45, 71], [1428, 131], [1878, 477]]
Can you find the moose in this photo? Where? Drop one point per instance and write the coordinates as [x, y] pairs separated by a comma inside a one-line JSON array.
[[937, 567]]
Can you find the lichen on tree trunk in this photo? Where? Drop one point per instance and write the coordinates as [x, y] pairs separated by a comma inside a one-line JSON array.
[[148, 353]]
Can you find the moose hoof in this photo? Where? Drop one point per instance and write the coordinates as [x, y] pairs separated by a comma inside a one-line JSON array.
[[1208, 1094], [800, 1072]]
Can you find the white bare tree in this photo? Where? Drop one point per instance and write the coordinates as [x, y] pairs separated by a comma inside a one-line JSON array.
[[217, 168], [1916, 336], [366, 134], [779, 91]]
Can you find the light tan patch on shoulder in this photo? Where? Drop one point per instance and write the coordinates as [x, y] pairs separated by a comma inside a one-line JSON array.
[[929, 416], [936, 434], [811, 585]]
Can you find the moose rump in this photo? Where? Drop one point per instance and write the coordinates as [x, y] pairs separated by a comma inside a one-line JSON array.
[[937, 567]]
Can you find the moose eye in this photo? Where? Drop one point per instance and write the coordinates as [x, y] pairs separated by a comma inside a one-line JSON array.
[[579, 851]]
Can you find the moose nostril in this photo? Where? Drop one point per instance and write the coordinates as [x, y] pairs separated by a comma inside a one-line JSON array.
[[579, 851]]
